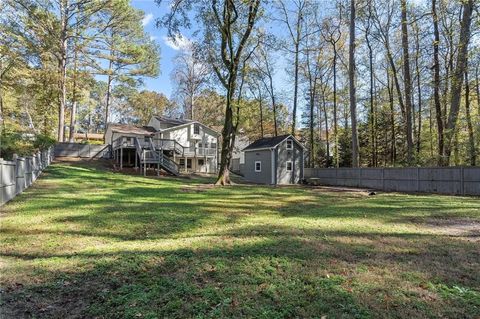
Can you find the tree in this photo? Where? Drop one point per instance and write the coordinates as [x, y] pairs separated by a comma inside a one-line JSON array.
[[458, 76], [190, 75], [407, 83], [265, 69], [436, 83], [124, 46], [293, 20], [351, 75], [228, 26]]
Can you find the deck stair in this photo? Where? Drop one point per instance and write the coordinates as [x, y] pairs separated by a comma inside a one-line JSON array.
[[146, 154]]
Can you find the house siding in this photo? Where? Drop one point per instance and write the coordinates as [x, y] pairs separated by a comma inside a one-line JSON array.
[[263, 177], [112, 136], [296, 157]]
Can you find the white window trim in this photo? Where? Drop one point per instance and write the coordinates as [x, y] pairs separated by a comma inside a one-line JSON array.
[[291, 145], [258, 170], [286, 166]]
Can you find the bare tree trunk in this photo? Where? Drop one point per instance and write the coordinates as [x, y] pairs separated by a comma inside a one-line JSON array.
[[458, 75], [471, 137], [62, 70], [324, 104], [335, 119], [419, 91], [351, 74], [261, 112], [73, 114], [407, 84], [477, 82], [393, 149], [107, 100], [436, 85], [295, 88], [311, 127], [371, 117]]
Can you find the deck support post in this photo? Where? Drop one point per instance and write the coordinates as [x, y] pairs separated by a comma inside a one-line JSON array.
[[158, 168], [144, 165], [121, 158], [136, 159]]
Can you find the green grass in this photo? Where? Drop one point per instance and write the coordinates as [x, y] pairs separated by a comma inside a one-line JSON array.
[[87, 243]]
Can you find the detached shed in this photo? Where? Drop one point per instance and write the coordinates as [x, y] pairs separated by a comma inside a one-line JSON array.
[[274, 160]]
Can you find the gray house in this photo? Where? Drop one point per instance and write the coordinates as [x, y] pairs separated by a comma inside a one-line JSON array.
[[274, 160]]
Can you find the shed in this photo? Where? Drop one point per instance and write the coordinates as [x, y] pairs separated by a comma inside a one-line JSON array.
[[274, 160]]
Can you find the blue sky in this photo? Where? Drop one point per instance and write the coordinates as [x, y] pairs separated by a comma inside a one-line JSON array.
[[163, 82], [153, 11]]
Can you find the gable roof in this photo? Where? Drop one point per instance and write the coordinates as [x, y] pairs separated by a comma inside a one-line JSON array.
[[172, 121], [178, 123], [270, 142], [131, 129]]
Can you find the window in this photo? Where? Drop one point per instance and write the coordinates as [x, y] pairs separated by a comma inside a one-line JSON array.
[[258, 166], [289, 145], [196, 129], [289, 166], [213, 145], [201, 162]]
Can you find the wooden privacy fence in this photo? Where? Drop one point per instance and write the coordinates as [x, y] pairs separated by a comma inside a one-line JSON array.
[[441, 180], [82, 150], [19, 174]]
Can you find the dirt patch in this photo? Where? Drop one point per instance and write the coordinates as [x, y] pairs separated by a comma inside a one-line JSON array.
[[358, 192], [466, 227]]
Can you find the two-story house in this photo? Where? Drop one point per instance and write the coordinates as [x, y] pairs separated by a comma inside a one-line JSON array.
[[190, 145], [198, 142]]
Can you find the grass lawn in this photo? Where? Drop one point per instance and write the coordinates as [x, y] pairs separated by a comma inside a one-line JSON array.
[[84, 242]]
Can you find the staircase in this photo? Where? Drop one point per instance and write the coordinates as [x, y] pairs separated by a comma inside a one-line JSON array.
[[149, 154]]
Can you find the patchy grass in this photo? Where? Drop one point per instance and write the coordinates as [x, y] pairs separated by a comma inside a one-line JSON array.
[[84, 242]]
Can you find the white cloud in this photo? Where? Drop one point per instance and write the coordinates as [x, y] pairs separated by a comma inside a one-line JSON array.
[[147, 19], [179, 43], [153, 38]]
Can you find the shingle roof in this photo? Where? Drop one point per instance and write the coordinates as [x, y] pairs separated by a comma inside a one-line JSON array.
[[172, 121], [132, 129], [266, 142]]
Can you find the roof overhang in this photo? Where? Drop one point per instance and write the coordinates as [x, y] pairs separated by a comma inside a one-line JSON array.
[[275, 146]]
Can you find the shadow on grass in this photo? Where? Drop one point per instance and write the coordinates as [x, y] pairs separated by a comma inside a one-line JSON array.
[[280, 276], [251, 269]]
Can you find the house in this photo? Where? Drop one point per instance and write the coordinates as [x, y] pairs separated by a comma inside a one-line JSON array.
[[199, 143], [114, 131], [274, 160], [238, 156], [175, 145]]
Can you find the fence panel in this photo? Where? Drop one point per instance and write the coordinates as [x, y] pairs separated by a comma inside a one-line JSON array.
[[17, 175], [441, 180], [7, 181], [20, 175], [82, 150]]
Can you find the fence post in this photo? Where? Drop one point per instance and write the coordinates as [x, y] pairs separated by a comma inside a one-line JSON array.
[[462, 181], [418, 179], [383, 178]]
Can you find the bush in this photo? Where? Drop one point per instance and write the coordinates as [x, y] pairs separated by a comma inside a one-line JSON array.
[[23, 144]]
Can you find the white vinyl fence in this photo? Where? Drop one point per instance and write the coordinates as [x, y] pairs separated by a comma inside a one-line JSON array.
[[19, 174], [441, 180]]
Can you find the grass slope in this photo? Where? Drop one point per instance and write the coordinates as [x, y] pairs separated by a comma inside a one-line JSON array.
[[87, 243]]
